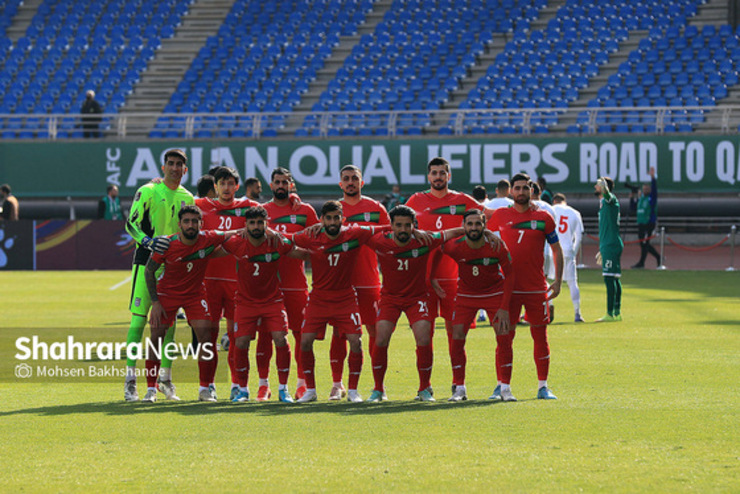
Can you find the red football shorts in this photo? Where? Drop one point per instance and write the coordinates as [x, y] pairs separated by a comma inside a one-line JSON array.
[[444, 307], [416, 309], [273, 315], [336, 308], [295, 306], [196, 308], [466, 308], [220, 295], [536, 306], [367, 300]]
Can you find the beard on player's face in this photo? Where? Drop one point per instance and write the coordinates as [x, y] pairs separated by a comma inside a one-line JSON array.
[[256, 233], [403, 236], [521, 199], [332, 229], [280, 193], [351, 192], [439, 185], [190, 233], [474, 235]]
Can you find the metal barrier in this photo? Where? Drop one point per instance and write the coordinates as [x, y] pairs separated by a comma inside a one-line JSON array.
[[118, 126]]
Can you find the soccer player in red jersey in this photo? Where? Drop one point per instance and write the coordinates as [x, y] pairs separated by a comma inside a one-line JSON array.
[[486, 280], [284, 217], [259, 298], [525, 229], [403, 258], [334, 252], [181, 285], [437, 209], [223, 213], [363, 211]]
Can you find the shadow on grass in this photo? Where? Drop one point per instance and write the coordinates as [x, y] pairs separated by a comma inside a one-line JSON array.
[[264, 409]]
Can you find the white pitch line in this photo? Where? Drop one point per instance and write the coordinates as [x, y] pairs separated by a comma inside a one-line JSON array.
[[119, 285]]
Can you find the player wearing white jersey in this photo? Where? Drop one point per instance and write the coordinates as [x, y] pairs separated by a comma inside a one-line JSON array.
[[502, 199], [570, 231]]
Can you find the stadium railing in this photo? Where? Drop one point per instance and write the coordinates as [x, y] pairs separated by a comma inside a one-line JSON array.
[[723, 119]]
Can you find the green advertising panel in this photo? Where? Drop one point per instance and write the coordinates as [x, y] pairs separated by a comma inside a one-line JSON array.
[[571, 165]]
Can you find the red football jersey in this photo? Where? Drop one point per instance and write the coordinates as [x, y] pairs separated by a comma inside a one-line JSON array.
[[481, 271], [217, 216], [185, 265], [404, 267], [367, 212], [437, 214], [257, 268], [525, 235], [332, 261], [284, 220]]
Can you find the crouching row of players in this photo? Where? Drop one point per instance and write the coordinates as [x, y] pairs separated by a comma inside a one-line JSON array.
[[486, 281]]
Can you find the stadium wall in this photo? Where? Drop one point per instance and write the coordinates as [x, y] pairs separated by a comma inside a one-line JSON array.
[[83, 169]]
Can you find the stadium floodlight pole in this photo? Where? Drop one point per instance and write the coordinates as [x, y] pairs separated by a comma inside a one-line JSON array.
[[733, 232], [662, 248]]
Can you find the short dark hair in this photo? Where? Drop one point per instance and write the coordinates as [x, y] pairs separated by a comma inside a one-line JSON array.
[[350, 168], [520, 176], [109, 188], [189, 209], [251, 181], [479, 193], [281, 171], [402, 210], [609, 183], [205, 185], [225, 173], [255, 212], [5, 188], [503, 184], [536, 190], [541, 180], [471, 212], [178, 153], [438, 161], [330, 207], [559, 197]]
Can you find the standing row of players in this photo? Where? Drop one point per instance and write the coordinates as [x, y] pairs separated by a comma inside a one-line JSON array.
[[353, 235]]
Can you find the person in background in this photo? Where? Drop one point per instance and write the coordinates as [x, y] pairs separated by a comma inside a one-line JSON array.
[[646, 207], [109, 206], [9, 204], [393, 199], [480, 194], [253, 188], [502, 199], [90, 121], [545, 194], [610, 248], [206, 187]]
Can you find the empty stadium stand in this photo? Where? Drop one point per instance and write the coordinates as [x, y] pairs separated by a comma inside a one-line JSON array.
[[246, 69]]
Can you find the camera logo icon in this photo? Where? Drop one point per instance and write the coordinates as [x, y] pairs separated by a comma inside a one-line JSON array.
[[23, 371]]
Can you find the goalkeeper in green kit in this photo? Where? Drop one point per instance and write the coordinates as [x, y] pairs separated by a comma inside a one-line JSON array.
[[610, 248], [153, 216]]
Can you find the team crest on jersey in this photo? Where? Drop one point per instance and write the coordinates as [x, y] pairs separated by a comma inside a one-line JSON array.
[[293, 218], [366, 216], [415, 252], [182, 204], [238, 212], [486, 261], [453, 208], [534, 224], [202, 253], [268, 257], [345, 246], [137, 302]]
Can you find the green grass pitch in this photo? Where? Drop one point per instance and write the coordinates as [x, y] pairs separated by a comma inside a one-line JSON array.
[[649, 404]]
